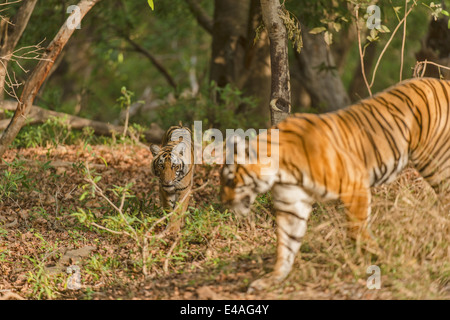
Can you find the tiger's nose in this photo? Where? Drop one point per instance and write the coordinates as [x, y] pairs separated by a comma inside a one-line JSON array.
[[168, 186], [246, 201]]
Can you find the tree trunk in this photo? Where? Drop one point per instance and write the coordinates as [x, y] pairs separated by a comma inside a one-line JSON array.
[[228, 44], [38, 76], [254, 79], [236, 59], [280, 96], [318, 74]]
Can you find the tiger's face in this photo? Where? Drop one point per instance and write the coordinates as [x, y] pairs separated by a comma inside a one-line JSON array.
[[168, 165], [238, 191]]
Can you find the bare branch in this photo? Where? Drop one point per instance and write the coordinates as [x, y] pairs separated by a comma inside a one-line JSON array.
[[10, 38], [361, 55], [7, 3], [421, 67], [387, 44], [201, 15], [138, 48], [403, 42], [38, 76], [20, 21]]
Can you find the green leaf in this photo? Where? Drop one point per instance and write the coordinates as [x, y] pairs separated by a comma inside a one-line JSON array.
[[150, 3], [317, 30], [445, 13], [384, 29], [328, 37], [373, 33]]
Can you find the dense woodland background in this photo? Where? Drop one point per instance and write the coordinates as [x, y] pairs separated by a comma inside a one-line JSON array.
[[204, 60], [71, 195]]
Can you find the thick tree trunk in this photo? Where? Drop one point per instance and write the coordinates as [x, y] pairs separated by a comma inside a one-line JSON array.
[[255, 76], [318, 74], [235, 58], [38, 76], [280, 96], [228, 44]]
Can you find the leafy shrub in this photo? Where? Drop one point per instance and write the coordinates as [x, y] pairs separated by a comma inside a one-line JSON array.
[[222, 114]]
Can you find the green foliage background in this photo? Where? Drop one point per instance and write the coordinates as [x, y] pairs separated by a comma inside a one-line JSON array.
[[173, 36]]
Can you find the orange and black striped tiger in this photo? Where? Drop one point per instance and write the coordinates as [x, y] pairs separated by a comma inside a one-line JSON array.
[[173, 164], [341, 155]]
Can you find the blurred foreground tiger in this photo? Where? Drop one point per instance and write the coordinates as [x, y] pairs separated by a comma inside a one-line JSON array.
[[173, 164], [340, 155]]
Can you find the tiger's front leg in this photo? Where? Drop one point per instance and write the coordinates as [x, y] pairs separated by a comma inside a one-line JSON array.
[[292, 207], [177, 205]]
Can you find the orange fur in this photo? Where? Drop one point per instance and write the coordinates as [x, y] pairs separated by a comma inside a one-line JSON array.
[[175, 169], [341, 155]]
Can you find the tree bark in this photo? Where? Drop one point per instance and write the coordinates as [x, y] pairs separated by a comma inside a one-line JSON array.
[[280, 96], [39, 115], [254, 79], [9, 37], [318, 74], [38, 76], [237, 59], [228, 44]]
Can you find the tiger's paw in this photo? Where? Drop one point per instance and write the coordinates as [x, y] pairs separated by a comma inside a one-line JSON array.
[[269, 280], [369, 244], [174, 226], [258, 285], [372, 246]]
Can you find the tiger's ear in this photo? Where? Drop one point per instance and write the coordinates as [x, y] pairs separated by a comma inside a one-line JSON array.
[[154, 148]]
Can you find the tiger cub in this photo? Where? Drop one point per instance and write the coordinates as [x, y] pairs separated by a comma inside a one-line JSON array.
[[173, 164], [341, 155]]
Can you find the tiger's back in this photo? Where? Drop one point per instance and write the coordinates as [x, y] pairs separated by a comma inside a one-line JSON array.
[[374, 139], [340, 155]]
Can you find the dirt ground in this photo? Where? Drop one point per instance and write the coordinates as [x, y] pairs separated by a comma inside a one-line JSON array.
[[216, 255]]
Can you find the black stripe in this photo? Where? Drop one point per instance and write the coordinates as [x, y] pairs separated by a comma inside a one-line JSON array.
[[291, 214], [290, 236]]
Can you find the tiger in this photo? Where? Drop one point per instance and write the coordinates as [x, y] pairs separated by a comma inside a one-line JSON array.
[[339, 156], [174, 166]]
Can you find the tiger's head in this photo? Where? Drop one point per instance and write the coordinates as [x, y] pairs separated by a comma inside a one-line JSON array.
[[236, 193], [241, 182], [169, 164]]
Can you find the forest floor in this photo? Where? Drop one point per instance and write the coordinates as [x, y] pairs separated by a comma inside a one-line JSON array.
[[52, 218]]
